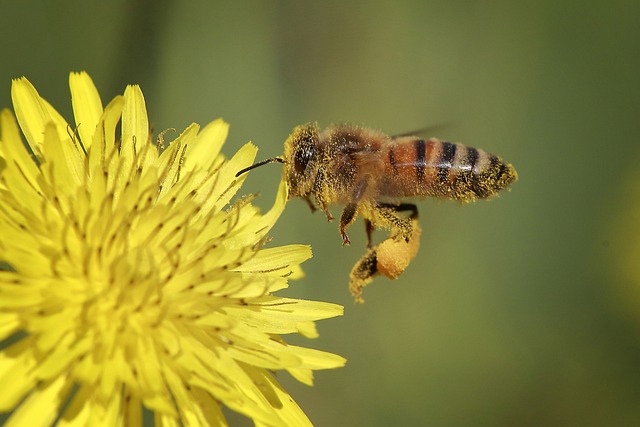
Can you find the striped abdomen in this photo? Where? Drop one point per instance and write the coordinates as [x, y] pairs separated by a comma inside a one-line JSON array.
[[418, 167]]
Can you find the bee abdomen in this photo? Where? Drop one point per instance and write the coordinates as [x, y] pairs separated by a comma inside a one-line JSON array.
[[443, 169], [474, 173]]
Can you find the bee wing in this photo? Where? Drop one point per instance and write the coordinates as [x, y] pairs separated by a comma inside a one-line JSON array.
[[426, 131]]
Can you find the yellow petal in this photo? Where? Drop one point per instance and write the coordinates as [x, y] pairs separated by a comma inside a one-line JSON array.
[[111, 415], [298, 309], [283, 315], [257, 228], [79, 410], [316, 359], [149, 371], [135, 123], [104, 146], [296, 273], [34, 113], [276, 260], [13, 148], [18, 251], [9, 324], [65, 163], [87, 106], [16, 373], [204, 410], [132, 411], [268, 220], [31, 113], [226, 183], [305, 376], [61, 357], [42, 405], [308, 329], [245, 396], [86, 410], [171, 161], [286, 409], [21, 167], [278, 357], [165, 420], [204, 150]]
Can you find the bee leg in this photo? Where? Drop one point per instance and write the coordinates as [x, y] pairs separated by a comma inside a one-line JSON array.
[[317, 192], [390, 258], [363, 273], [325, 207], [346, 219], [397, 208], [350, 211], [369, 228], [310, 203], [403, 207], [389, 214]]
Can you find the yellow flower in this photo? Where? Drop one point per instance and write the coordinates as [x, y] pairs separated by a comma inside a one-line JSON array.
[[132, 282]]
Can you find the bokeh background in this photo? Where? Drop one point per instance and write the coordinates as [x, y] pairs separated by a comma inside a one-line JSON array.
[[524, 310]]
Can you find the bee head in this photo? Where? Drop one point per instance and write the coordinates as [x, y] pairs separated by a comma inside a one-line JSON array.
[[300, 160], [300, 154]]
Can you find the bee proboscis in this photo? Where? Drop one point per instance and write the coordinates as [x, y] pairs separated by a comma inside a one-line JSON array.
[[372, 175]]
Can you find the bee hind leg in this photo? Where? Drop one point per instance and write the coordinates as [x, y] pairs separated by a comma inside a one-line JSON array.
[[389, 258], [389, 214], [402, 207], [363, 273]]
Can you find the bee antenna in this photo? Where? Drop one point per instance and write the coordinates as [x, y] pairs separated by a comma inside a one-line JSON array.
[[264, 162]]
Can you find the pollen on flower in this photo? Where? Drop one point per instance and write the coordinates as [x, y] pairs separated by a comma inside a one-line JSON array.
[[135, 280]]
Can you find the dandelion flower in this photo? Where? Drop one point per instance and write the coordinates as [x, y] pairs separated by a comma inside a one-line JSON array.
[[134, 281]]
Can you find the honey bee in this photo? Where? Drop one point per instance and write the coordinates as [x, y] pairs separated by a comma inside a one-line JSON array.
[[372, 174]]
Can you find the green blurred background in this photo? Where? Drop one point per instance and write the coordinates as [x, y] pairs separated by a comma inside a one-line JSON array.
[[519, 311]]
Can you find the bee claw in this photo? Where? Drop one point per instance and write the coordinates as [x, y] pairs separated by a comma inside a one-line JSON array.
[[310, 203], [345, 239]]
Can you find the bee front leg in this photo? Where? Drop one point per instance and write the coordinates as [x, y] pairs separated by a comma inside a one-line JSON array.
[[324, 206], [318, 193], [307, 199]]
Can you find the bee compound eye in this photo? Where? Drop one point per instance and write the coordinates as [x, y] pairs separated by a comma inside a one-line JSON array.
[[301, 159]]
